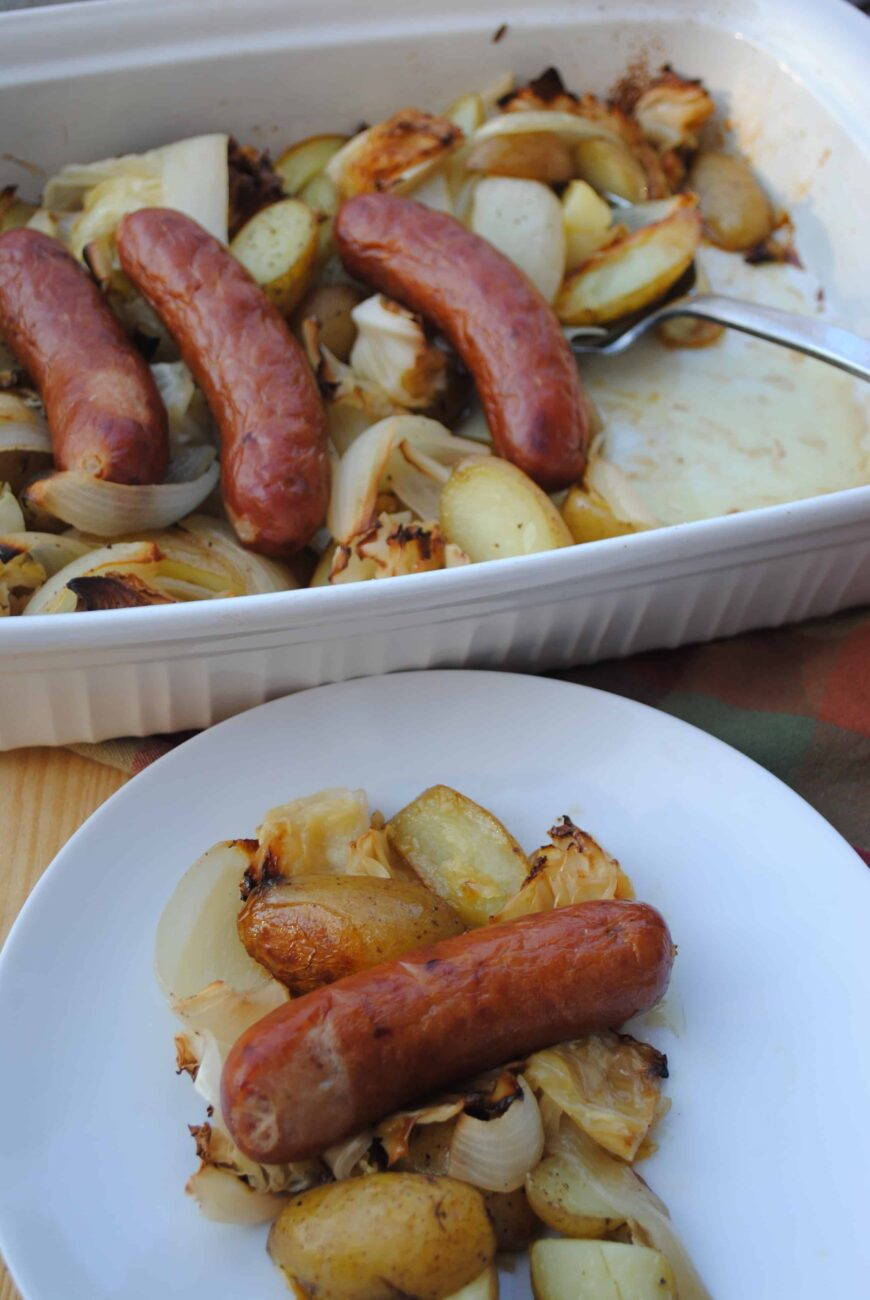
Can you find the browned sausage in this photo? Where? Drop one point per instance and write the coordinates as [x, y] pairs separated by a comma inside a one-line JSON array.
[[103, 409], [258, 384], [343, 1057], [505, 332]]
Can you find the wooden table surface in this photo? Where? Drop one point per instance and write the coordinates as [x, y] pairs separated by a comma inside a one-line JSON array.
[[45, 794]]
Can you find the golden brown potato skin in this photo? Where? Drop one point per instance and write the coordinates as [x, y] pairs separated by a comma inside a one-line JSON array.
[[103, 408], [258, 384], [313, 930], [505, 332], [321, 1068], [384, 1236]]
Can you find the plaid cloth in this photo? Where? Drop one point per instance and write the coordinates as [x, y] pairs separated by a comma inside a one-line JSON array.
[[796, 699]]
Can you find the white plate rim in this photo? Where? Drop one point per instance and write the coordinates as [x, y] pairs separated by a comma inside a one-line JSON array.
[[840, 851]]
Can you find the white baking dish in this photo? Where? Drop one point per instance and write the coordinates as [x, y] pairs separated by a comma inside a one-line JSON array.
[[87, 80]]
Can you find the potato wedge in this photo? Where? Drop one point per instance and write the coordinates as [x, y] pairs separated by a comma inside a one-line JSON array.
[[588, 222], [566, 1204], [305, 159], [312, 930], [331, 306], [735, 209], [632, 273], [278, 246], [393, 155], [590, 519], [460, 850], [491, 509], [610, 167], [538, 156], [523, 220], [384, 1235], [599, 1270], [484, 1287]]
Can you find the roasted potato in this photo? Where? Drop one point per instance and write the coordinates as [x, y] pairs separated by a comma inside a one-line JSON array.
[[515, 1223], [484, 1287], [377, 1237], [322, 197], [588, 223], [460, 850], [634, 272], [537, 156], [735, 209], [312, 930], [305, 159], [278, 246], [331, 306], [610, 167], [590, 519], [491, 509], [428, 1149], [688, 332], [566, 1202], [599, 1270]]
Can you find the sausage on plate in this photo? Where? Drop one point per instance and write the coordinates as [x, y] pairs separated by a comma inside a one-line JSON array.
[[258, 384], [336, 1060], [505, 332], [103, 409]]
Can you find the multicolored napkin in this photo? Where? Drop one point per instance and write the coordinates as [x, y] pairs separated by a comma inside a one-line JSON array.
[[795, 699]]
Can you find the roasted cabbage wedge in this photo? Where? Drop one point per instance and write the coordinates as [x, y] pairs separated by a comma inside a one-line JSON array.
[[572, 868], [610, 1086]]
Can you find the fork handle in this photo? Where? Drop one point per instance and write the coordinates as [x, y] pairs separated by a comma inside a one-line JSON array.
[[816, 338]]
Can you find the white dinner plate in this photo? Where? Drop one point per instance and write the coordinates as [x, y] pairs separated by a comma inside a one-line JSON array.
[[763, 1159]]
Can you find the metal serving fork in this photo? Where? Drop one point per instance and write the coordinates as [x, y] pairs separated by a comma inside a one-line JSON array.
[[817, 338]]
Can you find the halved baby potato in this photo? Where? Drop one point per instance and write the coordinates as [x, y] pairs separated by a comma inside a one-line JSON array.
[[314, 929], [306, 159], [491, 509], [566, 1203], [278, 247], [460, 850], [331, 306], [634, 272], [590, 519], [599, 1270], [735, 209], [382, 1236]]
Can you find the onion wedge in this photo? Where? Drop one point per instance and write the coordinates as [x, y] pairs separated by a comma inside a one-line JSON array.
[[112, 509]]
